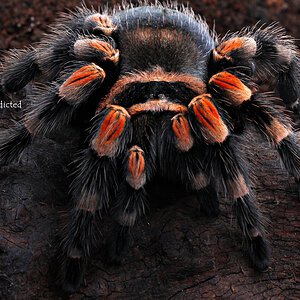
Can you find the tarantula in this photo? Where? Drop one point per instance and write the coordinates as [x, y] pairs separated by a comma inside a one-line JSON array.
[[162, 97]]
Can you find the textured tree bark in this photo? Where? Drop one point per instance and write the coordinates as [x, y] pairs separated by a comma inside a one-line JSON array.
[[177, 253]]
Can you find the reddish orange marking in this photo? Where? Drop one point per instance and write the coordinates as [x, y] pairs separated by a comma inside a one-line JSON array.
[[182, 131], [84, 76], [136, 167], [107, 119], [180, 126], [112, 127], [228, 46], [117, 128], [227, 81], [103, 47], [206, 113], [277, 131], [231, 85]]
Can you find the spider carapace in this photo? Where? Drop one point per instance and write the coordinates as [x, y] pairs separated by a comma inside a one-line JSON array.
[[167, 99]]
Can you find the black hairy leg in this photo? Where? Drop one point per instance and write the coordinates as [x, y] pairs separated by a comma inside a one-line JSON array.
[[130, 207], [208, 201], [131, 200], [109, 135], [118, 243], [224, 168], [250, 221], [54, 106], [263, 52], [19, 68], [81, 233], [82, 35], [266, 112], [179, 143], [130, 203], [225, 164], [274, 123]]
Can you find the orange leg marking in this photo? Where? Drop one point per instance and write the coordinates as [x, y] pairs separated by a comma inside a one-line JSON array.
[[213, 128], [225, 49], [101, 22], [136, 176], [182, 131], [233, 88], [80, 78], [83, 46], [278, 131], [237, 187], [111, 129]]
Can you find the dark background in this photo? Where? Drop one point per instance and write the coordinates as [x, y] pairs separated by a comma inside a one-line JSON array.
[[24, 22], [177, 253]]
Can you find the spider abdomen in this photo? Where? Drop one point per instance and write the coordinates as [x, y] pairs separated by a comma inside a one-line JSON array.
[[177, 42]]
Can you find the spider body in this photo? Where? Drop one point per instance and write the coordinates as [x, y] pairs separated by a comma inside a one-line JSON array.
[[162, 98]]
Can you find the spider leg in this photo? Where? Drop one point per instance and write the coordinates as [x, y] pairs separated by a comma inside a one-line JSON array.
[[206, 195], [261, 110], [51, 107], [92, 194], [265, 52], [63, 44], [18, 69], [206, 120], [274, 124], [187, 154], [131, 201], [84, 35], [224, 161], [93, 188]]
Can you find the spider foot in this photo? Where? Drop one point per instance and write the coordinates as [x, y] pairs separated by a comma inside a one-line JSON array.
[[118, 245], [208, 201], [259, 252], [71, 274]]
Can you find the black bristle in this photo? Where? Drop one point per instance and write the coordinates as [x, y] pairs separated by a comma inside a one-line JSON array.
[[18, 69], [289, 152], [12, 143]]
